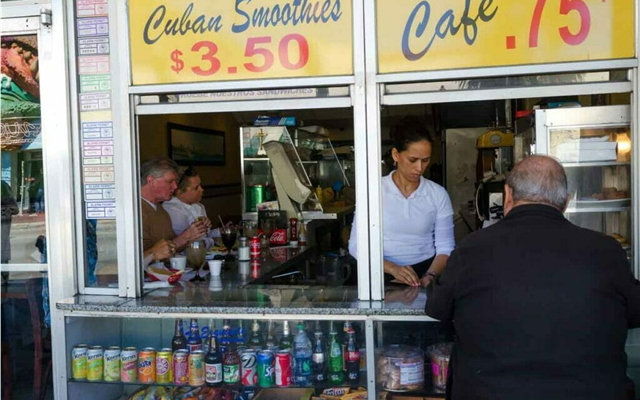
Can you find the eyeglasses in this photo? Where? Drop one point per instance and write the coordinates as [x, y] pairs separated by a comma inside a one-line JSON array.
[[189, 172]]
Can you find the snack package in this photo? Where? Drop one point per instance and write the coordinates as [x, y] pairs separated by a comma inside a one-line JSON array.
[[440, 355]]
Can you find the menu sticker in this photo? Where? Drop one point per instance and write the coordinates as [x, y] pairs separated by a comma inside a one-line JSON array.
[[95, 101], [96, 152], [92, 8], [97, 130], [95, 83], [93, 65], [98, 173], [93, 46], [100, 209], [93, 27], [97, 192]]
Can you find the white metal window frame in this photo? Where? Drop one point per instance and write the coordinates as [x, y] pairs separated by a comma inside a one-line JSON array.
[[126, 107], [57, 163], [28, 25], [376, 98]]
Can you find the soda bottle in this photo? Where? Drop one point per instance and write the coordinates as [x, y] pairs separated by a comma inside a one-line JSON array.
[[319, 364], [213, 364], [179, 341], [255, 340], [204, 336], [353, 359], [225, 338], [231, 365], [286, 343], [194, 342], [336, 374], [271, 344], [241, 339], [345, 339], [302, 355]]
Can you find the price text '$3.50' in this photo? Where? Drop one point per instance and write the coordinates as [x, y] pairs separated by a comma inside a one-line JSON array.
[[257, 52]]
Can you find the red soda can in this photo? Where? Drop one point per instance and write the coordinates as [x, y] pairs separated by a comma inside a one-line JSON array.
[[254, 247], [284, 375], [180, 367], [293, 231]]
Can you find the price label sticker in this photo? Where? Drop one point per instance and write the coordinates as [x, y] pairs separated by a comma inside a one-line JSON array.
[[185, 41], [422, 35]]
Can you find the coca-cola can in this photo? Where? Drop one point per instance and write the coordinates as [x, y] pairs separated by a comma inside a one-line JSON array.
[[278, 237], [293, 231], [284, 374], [254, 247]]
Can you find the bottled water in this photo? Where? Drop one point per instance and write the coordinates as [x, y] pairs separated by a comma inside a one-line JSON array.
[[302, 354]]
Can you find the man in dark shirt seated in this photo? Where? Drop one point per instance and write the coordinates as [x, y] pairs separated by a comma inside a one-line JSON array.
[[541, 307]]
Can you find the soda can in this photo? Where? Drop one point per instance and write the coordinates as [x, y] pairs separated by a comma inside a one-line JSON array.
[[266, 373], [95, 363], [196, 368], [129, 364], [164, 366], [249, 368], [112, 364], [147, 365], [254, 247], [181, 367], [79, 361], [284, 376]]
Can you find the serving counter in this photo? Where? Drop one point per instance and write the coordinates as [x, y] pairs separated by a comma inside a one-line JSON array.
[[149, 322]]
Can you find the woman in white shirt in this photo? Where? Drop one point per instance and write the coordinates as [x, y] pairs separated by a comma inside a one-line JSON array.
[[185, 207], [417, 217]]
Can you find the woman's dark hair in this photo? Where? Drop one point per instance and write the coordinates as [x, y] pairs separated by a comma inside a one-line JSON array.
[[183, 182], [408, 132]]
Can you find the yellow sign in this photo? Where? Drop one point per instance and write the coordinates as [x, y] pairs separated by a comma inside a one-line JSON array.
[[425, 35], [175, 41]]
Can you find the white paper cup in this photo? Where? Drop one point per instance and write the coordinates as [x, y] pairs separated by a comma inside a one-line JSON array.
[[215, 266], [179, 263]]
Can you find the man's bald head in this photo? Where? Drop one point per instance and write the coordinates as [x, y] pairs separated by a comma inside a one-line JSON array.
[[539, 179]]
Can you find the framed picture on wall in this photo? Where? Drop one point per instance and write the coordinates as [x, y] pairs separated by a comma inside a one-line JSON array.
[[189, 145]]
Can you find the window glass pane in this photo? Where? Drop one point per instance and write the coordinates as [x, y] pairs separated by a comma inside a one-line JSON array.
[[25, 295]]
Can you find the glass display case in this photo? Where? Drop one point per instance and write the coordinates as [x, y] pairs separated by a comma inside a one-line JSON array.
[[277, 355], [594, 146], [314, 161]]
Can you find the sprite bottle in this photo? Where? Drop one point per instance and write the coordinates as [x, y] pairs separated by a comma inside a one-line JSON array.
[[336, 372]]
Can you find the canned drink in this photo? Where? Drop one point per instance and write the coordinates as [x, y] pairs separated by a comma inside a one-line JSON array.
[[181, 367], [266, 373], [196, 368], [79, 361], [164, 366], [249, 367], [255, 197], [284, 376], [147, 365], [95, 363], [254, 247], [112, 364], [129, 364]]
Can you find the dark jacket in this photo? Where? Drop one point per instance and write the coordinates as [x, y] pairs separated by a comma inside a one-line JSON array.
[[541, 309]]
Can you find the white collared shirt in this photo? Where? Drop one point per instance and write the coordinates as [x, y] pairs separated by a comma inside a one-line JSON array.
[[415, 228], [183, 215]]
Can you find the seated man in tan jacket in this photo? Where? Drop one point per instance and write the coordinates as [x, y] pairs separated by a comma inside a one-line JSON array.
[[159, 177]]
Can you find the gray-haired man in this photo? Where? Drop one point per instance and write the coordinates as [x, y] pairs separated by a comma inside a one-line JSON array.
[[541, 307], [159, 178]]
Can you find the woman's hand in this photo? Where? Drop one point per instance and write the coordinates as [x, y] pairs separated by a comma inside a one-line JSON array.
[[402, 274], [405, 295]]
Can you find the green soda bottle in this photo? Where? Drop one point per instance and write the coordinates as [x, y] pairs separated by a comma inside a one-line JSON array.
[[336, 373]]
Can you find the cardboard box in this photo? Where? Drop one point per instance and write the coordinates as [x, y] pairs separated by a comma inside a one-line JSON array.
[[284, 394]]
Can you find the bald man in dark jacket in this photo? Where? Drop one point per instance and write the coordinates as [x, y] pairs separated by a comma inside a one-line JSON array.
[[541, 307]]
